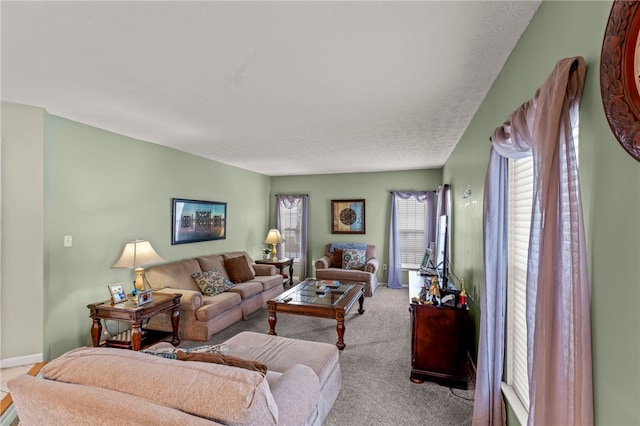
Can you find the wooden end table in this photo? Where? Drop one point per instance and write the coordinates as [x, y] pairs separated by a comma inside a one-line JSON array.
[[133, 314], [281, 264]]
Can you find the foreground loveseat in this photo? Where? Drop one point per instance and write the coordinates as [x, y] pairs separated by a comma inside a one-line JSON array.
[[108, 386], [362, 268], [204, 315]]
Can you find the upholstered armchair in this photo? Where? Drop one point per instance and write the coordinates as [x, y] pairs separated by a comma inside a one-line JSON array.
[[351, 263]]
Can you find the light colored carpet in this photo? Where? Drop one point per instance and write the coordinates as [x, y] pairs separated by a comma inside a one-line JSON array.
[[375, 365]]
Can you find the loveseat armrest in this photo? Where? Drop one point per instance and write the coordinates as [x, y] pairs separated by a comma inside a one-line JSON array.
[[264, 270], [295, 379], [323, 262], [190, 301], [371, 265]]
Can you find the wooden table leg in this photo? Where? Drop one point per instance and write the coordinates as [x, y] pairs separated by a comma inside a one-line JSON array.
[[272, 318], [361, 302], [136, 336], [96, 331], [291, 274], [175, 322], [340, 317]]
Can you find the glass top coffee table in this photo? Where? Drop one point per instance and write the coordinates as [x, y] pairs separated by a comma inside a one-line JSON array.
[[308, 300]]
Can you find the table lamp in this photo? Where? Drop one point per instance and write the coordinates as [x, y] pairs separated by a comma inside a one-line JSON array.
[[135, 255], [274, 238]]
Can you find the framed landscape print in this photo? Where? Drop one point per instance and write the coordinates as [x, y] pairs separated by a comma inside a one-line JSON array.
[[347, 217], [195, 220]]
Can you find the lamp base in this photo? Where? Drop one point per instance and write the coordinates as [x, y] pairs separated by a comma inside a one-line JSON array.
[[273, 253], [139, 282]]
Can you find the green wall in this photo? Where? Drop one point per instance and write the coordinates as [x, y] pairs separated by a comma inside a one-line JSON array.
[[374, 188], [610, 182], [105, 189]]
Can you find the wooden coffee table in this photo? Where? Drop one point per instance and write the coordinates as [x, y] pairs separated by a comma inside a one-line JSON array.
[[303, 300]]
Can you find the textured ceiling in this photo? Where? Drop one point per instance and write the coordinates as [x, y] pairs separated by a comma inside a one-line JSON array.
[[280, 88]]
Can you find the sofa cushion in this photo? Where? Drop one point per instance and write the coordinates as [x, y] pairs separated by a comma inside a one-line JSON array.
[[238, 269], [353, 259], [336, 260], [269, 281], [246, 290], [211, 282], [212, 261], [280, 353], [229, 360], [240, 396], [214, 305], [175, 275]]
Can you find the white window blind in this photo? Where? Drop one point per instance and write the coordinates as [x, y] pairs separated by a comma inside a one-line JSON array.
[[411, 220], [290, 221], [520, 205]]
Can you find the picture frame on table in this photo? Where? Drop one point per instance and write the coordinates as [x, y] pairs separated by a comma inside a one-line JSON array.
[[196, 220], [117, 293], [143, 297], [348, 216]]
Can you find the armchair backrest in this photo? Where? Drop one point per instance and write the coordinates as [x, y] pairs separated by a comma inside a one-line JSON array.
[[371, 252]]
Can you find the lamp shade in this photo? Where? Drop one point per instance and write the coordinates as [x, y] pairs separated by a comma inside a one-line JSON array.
[[137, 254], [274, 237]]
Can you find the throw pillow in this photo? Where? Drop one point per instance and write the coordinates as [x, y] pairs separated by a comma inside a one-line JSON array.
[[238, 269], [224, 360], [353, 259], [211, 282], [221, 349], [170, 352], [336, 260]]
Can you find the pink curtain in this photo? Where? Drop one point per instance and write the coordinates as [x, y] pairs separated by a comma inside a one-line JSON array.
[[558, 320]]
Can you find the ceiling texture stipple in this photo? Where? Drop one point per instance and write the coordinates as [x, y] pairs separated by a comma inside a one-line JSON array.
[[279, 88]]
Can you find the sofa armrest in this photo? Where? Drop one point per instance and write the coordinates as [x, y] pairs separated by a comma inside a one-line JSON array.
[[323, 262], [371, 265], [264, 270], [293, 380], [190, 301]]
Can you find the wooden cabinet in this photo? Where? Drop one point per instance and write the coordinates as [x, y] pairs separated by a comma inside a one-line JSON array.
[[440, 345]]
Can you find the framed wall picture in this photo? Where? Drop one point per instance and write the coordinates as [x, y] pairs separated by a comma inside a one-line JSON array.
[[347, 217], [116, 291], [195, 220]]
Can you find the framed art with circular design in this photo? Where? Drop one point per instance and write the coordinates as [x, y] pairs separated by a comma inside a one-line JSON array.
[[347, 217], [620, 74]]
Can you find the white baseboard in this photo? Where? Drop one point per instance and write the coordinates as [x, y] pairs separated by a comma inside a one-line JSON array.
[[8, 416], [21, 360]]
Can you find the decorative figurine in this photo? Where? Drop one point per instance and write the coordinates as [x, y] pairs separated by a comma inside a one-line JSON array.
[[434, 292], [463, 294]]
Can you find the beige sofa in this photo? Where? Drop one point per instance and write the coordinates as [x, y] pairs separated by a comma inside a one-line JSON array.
[[108, 386], [202, 316], [329, 267]]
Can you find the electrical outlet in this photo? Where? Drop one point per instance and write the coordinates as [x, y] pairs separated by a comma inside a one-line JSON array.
[[384, 267]]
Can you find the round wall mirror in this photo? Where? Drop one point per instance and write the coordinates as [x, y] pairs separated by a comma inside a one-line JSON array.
[[620, 75]]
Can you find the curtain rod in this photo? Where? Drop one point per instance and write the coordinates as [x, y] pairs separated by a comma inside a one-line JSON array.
[[431, 190], [290, 194]]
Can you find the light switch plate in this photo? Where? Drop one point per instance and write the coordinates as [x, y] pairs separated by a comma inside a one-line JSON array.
[[68, 241]]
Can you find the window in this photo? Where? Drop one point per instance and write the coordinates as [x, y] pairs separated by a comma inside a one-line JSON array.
[[520, 205], [411, 222], [291, 227]]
